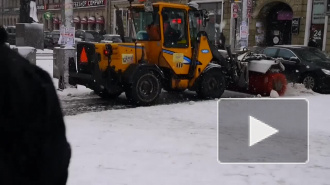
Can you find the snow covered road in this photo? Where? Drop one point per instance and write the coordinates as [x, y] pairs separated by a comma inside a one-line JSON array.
[[174, 142], [177, 144]]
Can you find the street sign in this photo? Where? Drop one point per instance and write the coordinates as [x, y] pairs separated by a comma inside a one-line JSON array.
[[235, 11], [67, 36], [249, 8], [244, 32], [295, 25], [47, 15]]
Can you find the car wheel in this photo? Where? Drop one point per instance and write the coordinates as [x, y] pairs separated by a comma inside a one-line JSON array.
[[310, 82]]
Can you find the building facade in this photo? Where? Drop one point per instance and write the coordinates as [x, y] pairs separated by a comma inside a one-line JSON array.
[[257, 23]]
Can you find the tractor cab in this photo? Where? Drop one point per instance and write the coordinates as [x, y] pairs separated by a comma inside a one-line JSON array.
[[169, 33]]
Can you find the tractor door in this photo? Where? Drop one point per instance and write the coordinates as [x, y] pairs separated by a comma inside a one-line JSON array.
[[176, 40]]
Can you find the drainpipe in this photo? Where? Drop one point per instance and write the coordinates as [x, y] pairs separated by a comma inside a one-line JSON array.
[[308, 22]]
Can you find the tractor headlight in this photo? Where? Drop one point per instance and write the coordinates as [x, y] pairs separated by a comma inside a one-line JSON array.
[[325, 71]]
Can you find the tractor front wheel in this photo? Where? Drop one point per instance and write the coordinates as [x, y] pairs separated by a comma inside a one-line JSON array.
[[212, 86], [144, 90]]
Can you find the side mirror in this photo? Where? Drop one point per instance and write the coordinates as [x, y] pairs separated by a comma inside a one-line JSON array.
[[295, 59]]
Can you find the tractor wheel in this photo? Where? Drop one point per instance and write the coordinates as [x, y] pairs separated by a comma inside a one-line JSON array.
[[144, 90], [213, 85], [104, 94]]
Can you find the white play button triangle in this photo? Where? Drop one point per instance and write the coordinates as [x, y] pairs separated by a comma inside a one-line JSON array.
[[259, 131]]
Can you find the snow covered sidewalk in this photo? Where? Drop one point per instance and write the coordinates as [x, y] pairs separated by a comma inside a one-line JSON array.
[[177, 144]]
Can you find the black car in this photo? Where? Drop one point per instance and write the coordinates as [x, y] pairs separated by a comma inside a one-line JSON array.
[[307, 65], [11, 30], [51, 39], [112, 38], [89, 35]]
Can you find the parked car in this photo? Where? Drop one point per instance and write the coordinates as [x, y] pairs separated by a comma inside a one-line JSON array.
[[51, 38], [88, 36], [48, 42], [11, 30], [307, 65], [111, 38]]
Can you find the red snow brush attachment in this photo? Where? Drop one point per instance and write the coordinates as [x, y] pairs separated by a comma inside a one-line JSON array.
[[264, 83], [277, 82]]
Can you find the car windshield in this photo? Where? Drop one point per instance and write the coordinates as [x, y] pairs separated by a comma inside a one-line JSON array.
[[312, 54]]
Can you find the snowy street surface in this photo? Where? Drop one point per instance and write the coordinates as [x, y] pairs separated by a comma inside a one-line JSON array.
[[175, 142]]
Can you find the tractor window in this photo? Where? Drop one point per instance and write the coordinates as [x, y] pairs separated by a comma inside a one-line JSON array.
[[175, 28], [193, 28], [146, 24]]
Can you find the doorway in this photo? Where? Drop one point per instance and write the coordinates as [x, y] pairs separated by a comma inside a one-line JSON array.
[[277, 20]]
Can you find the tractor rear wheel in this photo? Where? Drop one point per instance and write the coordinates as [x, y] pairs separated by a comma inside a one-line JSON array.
[[144, 90], [212, 86]]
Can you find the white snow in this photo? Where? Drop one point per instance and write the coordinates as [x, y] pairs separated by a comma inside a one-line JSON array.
[[176, 144], [261, 66], [274, 94]]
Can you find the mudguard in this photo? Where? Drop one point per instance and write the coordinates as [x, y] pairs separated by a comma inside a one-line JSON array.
[[209, 67]]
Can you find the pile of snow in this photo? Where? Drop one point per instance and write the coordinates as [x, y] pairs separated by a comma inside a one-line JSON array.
[[78, 92], [44, 51], [297, 90], [274, 94]]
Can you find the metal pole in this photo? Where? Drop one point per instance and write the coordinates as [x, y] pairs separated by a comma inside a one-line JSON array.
[[108, 16], [67, 13], [244, 19], [67, 53], [325, 33], [231, 27], [308, 22], [2, 12]]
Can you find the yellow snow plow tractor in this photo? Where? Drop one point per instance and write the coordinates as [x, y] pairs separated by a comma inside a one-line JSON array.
[[168, 52]]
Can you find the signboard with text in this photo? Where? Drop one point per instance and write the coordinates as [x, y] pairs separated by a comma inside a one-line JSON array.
[[317, 32], [318, 13], [76, 4], [88, 3], [67, 36], [295, 25], [235, 11], [249, 8]]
